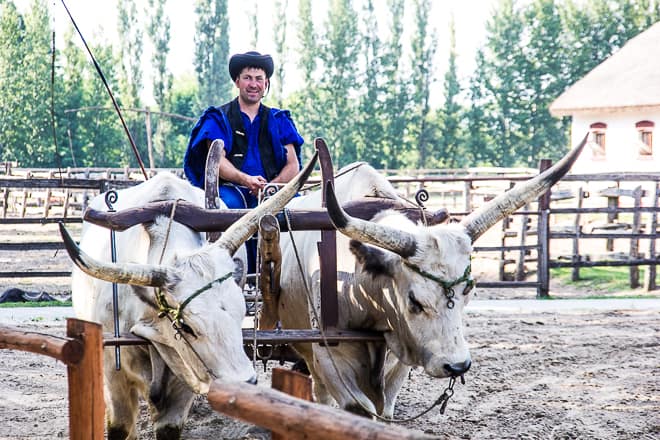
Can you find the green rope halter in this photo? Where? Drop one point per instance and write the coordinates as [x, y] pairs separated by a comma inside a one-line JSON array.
[[447, 286], [174, 314]]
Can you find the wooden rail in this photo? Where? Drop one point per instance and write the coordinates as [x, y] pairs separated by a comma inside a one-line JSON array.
[[294, 418], [82, 352]]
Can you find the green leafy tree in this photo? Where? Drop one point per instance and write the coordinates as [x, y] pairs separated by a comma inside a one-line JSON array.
[[279, 32], [397, 105], [25, 96], [450, 151], [212, 52], [423, 50], [338, 52], [158, 30]]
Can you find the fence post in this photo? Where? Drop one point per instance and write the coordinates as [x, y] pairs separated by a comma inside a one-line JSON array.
[[649, 281], [575, 272], [86, 404], [544, 238], [634, 242]]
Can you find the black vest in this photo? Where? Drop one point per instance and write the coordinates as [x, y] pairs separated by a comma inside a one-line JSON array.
[[239, 145]]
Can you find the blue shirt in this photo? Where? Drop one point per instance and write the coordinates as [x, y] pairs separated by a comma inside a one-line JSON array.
[[213, 124]]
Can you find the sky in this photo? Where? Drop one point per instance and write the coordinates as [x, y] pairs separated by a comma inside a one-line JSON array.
[[98, 23]]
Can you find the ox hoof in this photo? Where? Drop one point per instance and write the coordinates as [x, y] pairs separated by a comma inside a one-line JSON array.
[[168, 433], [117, 433]]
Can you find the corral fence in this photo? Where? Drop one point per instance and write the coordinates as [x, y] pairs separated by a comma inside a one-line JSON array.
[[586, 220], [285, 414]]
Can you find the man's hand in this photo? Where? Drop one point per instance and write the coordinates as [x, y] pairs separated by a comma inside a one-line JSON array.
[[254, 183]]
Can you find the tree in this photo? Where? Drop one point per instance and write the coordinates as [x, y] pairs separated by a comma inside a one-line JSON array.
[[449, 152], [397, 105], [338, 51], [423, 49], [25, 95], [279, 32], [158, 30], [212, 52]]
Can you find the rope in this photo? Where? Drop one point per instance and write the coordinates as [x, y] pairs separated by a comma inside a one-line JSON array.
[[444, 397], [169, 227]]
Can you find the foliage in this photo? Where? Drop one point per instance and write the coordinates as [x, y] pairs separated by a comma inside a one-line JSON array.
[[364, 82], [212, 52]]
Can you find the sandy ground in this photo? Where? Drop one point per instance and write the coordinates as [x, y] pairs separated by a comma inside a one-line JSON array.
[[540, 371], [558, 373]]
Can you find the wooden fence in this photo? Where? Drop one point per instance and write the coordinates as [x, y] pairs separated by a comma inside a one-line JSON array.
[[82, 352], [559, 230]]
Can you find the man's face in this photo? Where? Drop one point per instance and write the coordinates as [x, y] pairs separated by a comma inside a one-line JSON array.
[[251, 84]]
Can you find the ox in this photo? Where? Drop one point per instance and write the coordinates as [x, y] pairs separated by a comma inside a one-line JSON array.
[[407, 280], [194, 287]]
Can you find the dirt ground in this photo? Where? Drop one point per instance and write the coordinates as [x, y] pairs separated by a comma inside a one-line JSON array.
[[534, 376], [564, 375]]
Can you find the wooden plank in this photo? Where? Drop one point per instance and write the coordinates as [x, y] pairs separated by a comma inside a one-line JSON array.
[[292, 383], [295, 418], [86, 404], [270, 270], [66, 350]]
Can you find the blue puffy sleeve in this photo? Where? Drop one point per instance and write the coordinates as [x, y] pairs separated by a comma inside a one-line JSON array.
[[213, 124], [287, 131]]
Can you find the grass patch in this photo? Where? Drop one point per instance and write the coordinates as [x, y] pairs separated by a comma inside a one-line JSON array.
[[603, 279], [10, 305]]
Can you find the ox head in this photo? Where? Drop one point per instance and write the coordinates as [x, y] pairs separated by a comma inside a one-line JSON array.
[[193, 317], [422, 274]]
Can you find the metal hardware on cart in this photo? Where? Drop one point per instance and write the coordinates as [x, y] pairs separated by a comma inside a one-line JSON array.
[[111, 198], [421, 196]]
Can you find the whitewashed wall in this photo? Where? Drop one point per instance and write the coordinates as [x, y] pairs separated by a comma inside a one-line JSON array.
[[621, 141]]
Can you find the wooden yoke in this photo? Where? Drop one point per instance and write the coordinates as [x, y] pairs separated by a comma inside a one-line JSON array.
[[270, 270], [212, 180]]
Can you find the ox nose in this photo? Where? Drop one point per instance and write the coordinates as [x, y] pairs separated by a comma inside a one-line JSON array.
[[458, 368], [252, 380]]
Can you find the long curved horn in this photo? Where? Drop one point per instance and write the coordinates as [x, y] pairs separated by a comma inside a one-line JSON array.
[[485, 217], [395, 240], [123, 273], [247, 225]]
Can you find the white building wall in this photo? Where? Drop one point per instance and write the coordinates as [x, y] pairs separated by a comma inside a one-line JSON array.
[[621, 142]]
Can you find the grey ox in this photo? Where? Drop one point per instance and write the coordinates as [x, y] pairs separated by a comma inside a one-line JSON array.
[[407, 280], [191, 273]]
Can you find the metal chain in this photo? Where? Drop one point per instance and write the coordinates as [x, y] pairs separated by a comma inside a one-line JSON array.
[[444, 397]]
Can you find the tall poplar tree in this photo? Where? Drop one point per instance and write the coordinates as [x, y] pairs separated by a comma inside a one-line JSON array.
[[450, 151], [158, 30], [212, 52], [339, 52], [423, 50], [280, 34], [397, 105], [25, 95]]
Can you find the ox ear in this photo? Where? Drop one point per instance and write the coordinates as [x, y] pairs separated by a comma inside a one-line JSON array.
[[148, 331], [374, 261]]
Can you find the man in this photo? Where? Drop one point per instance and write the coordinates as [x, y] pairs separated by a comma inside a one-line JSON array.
[[261, 144]]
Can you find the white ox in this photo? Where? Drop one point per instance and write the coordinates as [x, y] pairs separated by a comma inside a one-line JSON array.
[[396, 277], [209, 345]]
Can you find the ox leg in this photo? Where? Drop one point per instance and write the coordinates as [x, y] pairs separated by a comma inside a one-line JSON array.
[[122, 408], [395, 374], [356, 369], [170, 404]]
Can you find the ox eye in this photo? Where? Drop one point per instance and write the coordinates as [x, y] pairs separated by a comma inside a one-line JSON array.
[[469, 285], [415, 306]]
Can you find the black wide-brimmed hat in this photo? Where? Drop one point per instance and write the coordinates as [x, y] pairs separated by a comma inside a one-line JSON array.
[[240, 61]]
